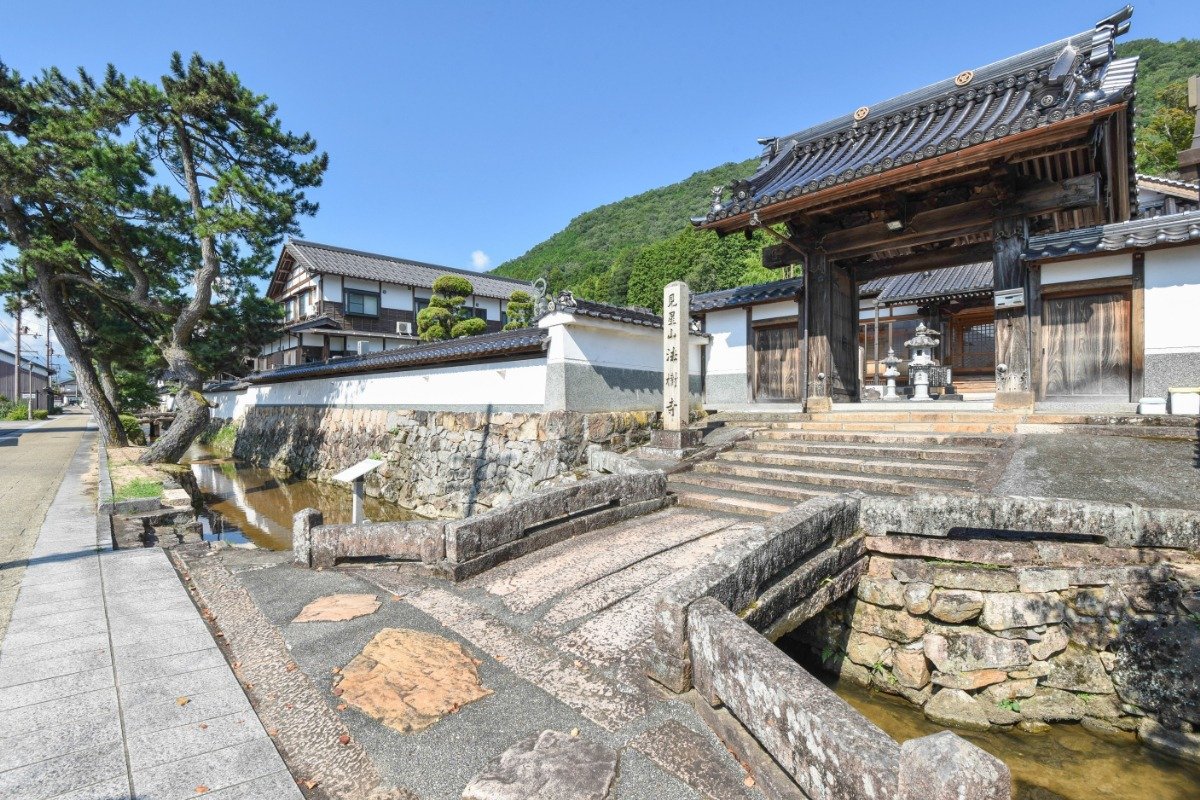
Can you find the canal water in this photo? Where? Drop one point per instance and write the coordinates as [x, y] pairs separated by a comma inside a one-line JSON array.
[[1067, 763], [255, 505]]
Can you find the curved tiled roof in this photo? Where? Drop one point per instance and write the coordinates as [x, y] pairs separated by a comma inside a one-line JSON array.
[[1041, 87], [1138, 233], [329, 260], [965, 280], [470, 348], [747, 295]]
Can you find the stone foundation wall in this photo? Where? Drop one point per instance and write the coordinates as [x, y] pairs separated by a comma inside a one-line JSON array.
[[1105, 636], [438, 464]]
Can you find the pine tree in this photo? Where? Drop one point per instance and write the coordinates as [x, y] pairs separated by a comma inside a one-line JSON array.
[[520, 310]]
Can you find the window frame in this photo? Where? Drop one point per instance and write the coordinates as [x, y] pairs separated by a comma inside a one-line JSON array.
[[346, 294]]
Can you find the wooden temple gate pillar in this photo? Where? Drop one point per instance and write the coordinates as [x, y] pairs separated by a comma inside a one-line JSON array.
[[1014, 383], [831, 327]]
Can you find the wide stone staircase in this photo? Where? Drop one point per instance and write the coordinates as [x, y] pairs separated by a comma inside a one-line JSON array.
[[791, 458]]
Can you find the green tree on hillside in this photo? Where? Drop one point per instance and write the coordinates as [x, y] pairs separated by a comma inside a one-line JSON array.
[[1168, 131]]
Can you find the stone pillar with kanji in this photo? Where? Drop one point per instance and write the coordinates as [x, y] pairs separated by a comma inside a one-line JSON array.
[[675, 356], [675, 435]]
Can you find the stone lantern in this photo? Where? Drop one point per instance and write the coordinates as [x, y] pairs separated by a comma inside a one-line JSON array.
[[891, 373], [921, 360]]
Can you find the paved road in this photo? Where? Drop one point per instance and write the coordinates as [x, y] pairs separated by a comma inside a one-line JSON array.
[[33, 460]]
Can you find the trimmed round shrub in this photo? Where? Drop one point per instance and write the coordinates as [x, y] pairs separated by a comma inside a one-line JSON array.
[[433, 324], [453, 286], [471, 326]]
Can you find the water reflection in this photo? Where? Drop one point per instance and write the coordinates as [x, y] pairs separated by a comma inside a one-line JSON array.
[[251, 504], [1068, 763]]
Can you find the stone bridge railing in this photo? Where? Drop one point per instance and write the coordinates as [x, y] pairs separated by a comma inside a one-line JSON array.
[[714, 632], [466, 547]]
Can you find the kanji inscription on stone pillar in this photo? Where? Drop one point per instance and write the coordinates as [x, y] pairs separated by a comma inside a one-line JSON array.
[[676, 320]]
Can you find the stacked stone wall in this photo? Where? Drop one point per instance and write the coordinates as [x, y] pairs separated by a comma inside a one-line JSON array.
[[438, 464], [1109, 637]]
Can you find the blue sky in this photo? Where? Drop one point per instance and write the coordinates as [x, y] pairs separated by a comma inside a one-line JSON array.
[[465, 133]]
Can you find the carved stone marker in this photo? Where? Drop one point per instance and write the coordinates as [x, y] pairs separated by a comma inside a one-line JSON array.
[[675, 435], [676, 321]]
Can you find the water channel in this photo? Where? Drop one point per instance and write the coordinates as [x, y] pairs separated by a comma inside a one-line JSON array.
[[254, 505], [1066, 763]]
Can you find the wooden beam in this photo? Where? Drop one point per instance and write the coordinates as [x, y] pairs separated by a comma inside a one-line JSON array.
[[973, 216], [778, 256], [1012, 324], [929, 259], [1137, 333]]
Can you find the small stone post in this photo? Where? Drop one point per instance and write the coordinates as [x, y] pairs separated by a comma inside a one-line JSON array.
[[303, 521], [676, 319]]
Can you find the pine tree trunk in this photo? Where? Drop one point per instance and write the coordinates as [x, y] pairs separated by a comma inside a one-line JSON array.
[[64, 329], [191, 410], [109, 384]]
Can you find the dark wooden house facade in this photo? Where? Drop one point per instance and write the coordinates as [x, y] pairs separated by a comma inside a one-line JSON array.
[[961, 172]]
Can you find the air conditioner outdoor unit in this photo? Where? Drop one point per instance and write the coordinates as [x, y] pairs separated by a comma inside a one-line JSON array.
[[404, 328]]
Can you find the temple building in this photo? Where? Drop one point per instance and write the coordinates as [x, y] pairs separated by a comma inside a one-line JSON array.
[[340, 302], [902, 208]]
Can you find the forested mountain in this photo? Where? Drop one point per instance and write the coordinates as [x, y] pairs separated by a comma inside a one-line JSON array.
[[624, 252]]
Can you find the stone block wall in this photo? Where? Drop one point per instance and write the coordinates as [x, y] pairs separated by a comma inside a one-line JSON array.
[[1093, 634], [438, 464]]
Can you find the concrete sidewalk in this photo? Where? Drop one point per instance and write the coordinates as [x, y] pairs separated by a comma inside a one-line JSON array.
[[111, 686]]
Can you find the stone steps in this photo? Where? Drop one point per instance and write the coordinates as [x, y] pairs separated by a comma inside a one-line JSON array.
[[964, 455], [906, 438], [705, 481], [839, 480], [924, 417], [726, 501], [856, 464], [865, 423]]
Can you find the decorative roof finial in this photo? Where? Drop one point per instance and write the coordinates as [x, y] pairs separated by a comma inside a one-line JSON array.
[[716, 201]]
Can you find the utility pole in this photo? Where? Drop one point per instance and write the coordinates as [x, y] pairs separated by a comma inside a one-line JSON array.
[[49, 368], [16, 398]]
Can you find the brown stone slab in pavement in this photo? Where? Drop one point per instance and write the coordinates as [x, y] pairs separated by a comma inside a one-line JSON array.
[[338, 608], [409, 680]]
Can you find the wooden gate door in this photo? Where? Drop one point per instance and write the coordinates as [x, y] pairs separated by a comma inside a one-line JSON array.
[[1086, 346], [777, 362], [843, 338]]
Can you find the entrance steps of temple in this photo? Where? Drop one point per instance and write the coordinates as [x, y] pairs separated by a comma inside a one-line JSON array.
[[794, 457], [881, 449]]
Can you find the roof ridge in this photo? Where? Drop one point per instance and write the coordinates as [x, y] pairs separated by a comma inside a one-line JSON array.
[[400, 260]]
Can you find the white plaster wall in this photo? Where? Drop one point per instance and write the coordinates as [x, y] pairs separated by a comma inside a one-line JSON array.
[[499, 383], [491, 304], [298, 278], [1087, 269], [358, 283], [1173, 300], [396, 296], [370, 345], [786, 308], [331, 288], [865, 314], [601, 343], [727, 350], [313, 340]]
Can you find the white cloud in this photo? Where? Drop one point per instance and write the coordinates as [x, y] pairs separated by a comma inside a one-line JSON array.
[[480, 259]]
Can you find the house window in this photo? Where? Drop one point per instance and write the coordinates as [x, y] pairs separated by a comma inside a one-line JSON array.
[[481, 313], [422, 303], [363, 304], [302, 299]]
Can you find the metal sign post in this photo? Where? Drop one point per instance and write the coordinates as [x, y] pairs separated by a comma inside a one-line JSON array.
[[357, 475]]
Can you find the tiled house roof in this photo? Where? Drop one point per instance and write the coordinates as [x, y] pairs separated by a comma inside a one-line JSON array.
[[1137, 233], [1044, 86], [329, 260], [470, 348]]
